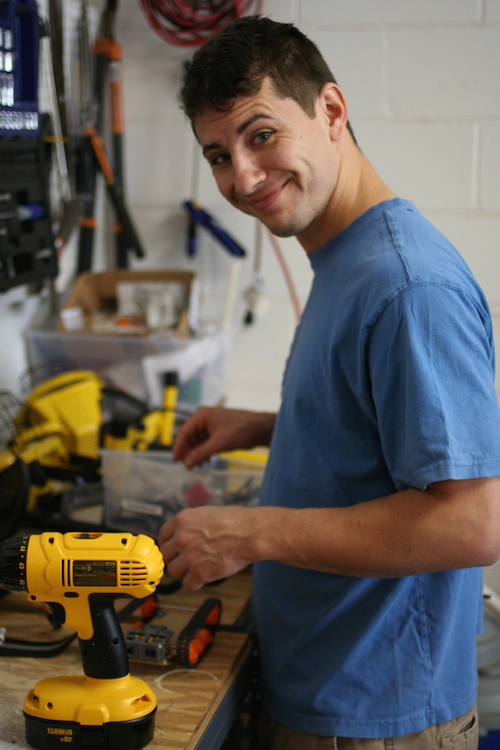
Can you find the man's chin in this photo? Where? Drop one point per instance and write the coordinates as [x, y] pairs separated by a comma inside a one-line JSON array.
[[280, 228], [279, 225]]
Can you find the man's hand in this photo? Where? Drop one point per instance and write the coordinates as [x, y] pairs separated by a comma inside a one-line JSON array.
[[214, 429], [201, 545]]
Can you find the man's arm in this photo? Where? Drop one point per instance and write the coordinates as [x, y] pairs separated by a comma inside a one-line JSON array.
[[452, 524], [214, 429]]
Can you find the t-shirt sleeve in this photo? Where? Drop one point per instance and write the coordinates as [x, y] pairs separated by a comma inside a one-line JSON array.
[[430, 357]]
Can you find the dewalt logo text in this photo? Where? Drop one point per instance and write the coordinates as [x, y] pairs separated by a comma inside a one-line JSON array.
[[60, 731]]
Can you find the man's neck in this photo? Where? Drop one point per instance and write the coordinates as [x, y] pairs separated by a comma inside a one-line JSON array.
[[358, 188]]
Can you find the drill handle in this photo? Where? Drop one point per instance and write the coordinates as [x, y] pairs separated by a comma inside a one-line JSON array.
[[104, 655]]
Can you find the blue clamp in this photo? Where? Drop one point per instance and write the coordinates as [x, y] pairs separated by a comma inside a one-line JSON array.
[[198, 216]]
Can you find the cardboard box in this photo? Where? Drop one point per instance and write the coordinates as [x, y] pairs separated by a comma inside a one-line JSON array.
[[93, 293]]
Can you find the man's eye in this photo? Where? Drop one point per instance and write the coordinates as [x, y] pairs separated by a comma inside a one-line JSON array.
[[262, 136], [219, 159]]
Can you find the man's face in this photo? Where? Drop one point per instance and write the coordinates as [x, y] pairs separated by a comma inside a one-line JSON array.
[[272, 161]]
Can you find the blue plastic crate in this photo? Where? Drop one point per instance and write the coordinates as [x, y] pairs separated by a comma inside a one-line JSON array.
[[19, 47], [490, 742]]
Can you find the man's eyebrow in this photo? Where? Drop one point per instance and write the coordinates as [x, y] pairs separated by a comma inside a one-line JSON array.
[[251, 120], [239, 131], [210, 147]]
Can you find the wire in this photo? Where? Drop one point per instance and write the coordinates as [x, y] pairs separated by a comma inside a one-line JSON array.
[[287, 275], [188, 23]]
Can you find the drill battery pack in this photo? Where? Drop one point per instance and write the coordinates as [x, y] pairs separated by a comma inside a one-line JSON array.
[[130, 735]]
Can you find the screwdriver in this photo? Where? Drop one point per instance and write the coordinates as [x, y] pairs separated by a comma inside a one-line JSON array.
[[27, 212]]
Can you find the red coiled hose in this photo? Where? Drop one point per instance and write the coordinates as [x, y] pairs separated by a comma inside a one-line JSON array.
[[188, 23]]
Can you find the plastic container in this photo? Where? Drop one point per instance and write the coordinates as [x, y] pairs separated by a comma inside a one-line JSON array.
[[142, 490], [121, 361]]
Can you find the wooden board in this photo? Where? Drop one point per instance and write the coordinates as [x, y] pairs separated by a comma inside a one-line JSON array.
[[186, 698]]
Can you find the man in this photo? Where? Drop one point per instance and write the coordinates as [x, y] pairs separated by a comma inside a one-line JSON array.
[[381, 498]]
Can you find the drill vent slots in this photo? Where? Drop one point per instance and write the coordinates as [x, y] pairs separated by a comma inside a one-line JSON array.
[[66, 573], [132, 573]]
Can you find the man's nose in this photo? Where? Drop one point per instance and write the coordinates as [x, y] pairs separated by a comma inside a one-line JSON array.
[[248, 174]]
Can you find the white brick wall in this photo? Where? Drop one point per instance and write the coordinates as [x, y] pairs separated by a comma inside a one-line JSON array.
[[489, 173], [445, 73], [429, 163], [380, 13]]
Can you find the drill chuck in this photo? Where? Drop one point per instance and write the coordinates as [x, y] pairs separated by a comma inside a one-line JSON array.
[[13, 563]]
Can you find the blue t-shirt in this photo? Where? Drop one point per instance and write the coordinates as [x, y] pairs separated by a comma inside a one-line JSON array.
[[389, 385]]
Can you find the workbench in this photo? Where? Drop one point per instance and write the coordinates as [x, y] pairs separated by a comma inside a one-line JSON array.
[[196, 708]]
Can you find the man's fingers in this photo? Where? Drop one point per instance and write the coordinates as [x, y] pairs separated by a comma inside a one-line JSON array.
[[192, 582], [166, 532], [184, 442], [191, 579], [176, 569], [191, 434], [199, 455]]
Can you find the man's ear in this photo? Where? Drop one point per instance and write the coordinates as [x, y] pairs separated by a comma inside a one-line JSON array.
[[332, 102]]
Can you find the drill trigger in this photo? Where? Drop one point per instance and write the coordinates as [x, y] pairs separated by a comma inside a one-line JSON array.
[[58, 615]]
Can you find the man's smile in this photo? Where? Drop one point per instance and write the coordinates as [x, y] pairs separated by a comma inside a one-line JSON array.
[[264, 199]]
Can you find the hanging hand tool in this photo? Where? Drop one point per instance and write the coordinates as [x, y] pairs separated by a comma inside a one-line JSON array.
[[72, 206], [198, 216], [91, 111], [80, 575], [115, 86], [107, 59], [57, 60], [115, 193]]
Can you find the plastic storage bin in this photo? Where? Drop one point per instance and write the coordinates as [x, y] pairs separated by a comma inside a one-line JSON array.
[[142, 490], [129, 362]]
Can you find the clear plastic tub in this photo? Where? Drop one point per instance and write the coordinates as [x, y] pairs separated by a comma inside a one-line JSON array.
[[121, 361], [145, 489]]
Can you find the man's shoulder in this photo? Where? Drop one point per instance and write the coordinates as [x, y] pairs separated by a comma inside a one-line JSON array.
[[392, 250], [408, 246]]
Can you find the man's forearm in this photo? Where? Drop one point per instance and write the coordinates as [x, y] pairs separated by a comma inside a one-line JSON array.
[[448, 526]]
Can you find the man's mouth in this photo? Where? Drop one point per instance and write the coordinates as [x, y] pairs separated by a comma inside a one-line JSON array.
[[266, 200]]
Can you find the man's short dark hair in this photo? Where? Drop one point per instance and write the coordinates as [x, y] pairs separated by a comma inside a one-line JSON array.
[[235, 62]]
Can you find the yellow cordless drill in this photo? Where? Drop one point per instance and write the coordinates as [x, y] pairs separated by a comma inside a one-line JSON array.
[[80, 575]]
